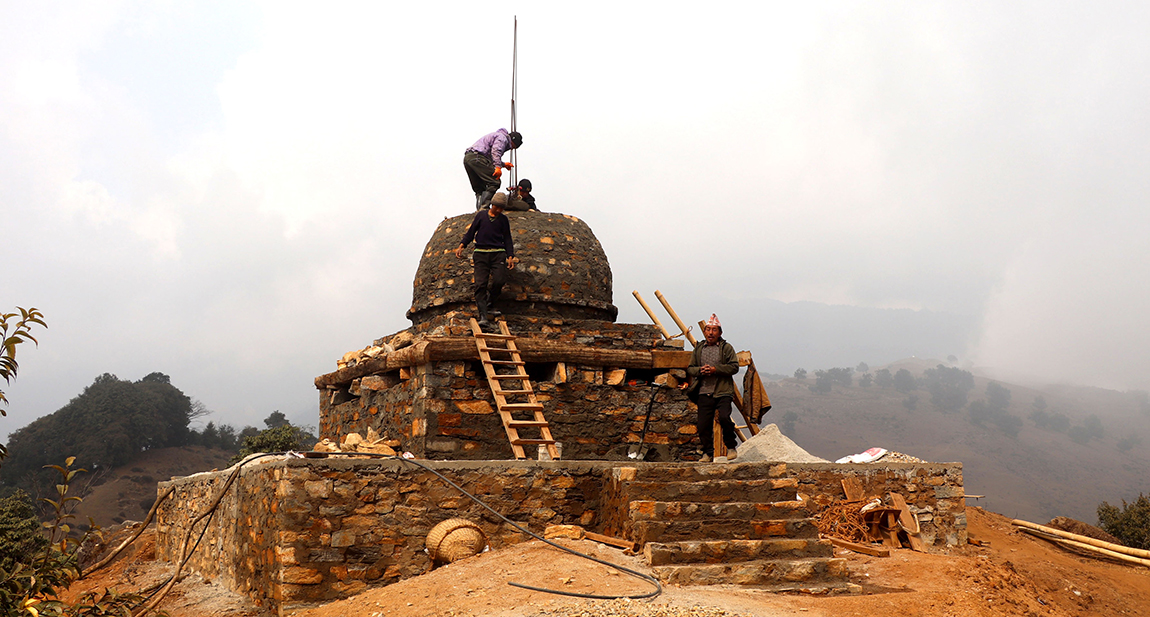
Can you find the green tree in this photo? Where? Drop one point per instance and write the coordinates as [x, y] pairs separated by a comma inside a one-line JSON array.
[[903, 381], [884, 380], [866, 380], [948, 387], [862, 367], [997, 396], [787, 426], [800, 373], [911, 402], [282, 438], [14, 332], [1130, 524], [20, 533], [276, 419], [111, 423]]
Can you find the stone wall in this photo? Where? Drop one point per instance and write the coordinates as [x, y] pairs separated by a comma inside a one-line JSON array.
[[297, 531], [445, 410]]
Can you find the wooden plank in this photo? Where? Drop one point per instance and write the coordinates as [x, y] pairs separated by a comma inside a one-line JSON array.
[[908, 522], [668, 359], [852, 488], [615, 377], [612, 541], [865, 549]]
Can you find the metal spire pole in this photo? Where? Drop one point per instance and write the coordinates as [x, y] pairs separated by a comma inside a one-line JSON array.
[[514, 72]]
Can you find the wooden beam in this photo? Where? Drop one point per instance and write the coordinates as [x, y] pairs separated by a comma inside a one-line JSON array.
[[532, 350], [651, 314], [865, 549], [675, 317], [1136, 552]]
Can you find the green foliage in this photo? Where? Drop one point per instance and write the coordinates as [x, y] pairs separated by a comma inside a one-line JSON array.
[[20, 537], [111, 423], [275, 419], [1128, 442], [279, 439], [30, 585], [787, 426], [1091, 428], [21, 332], [911, 402], [948, 387], [862, 367], [1130, 524], [800, 373], [993, 410], [866, 380], [884, 380], [903, 381], [222, 437]]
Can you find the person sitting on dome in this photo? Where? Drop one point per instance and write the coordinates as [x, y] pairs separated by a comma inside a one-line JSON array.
[[521, 199], [484, 163], [494, 255]]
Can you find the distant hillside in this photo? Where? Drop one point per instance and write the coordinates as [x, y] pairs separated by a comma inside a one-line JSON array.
[[127, 492], [1037, 475]]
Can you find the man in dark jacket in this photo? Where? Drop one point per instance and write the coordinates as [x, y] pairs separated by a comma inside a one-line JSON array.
[[521, 198], [494, 255], [484, 163], [713, 365]]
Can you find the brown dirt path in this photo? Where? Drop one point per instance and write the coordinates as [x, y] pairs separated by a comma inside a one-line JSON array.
[[1015, 575]]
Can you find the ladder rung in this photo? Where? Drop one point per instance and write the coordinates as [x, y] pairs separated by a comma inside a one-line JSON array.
[[506, 362], [522, 407], [506, 392], [527, 423], [509, 377], [496, 337], [531, 442]]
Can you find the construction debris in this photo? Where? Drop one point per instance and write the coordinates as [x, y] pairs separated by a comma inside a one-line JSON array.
[[354, 442]]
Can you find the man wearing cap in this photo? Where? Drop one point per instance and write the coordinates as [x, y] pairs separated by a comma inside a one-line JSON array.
[[713, 365], [484, 163], [521, 198], [494, 255]]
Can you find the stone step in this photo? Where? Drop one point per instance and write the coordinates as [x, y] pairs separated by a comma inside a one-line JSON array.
[[722, 529], [762, 490], [731, 551], [700, 472], [693, 511], [773, 573]]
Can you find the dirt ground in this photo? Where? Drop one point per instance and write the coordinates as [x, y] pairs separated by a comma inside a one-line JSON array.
[[1016, 574]]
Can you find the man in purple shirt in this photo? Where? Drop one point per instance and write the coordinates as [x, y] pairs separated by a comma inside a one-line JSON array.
[[484, 164]]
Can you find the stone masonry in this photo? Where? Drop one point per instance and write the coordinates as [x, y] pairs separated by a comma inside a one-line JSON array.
[[292, 531]]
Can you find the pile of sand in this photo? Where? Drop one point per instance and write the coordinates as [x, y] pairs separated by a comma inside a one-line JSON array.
[[772, 445]]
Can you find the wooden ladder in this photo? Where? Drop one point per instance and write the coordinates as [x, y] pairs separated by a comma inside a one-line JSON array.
[[510, 359]]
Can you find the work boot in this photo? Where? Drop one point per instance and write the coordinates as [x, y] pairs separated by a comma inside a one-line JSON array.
[[706, 458], [481, 306], [484, 198], [731, 454]]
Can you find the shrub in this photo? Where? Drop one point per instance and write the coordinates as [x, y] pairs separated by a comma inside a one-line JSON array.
[[1130, 524]]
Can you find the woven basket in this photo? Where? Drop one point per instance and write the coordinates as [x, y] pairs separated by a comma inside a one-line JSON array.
[[455, 539]]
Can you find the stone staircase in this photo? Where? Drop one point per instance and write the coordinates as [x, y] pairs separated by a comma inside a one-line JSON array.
[[709, 524]]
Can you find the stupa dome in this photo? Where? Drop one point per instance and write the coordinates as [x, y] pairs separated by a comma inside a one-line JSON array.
[[563, 271]]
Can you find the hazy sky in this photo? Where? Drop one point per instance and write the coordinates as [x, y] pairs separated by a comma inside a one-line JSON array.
[[236, 193]]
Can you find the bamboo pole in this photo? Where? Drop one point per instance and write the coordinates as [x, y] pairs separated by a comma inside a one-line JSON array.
[[675, 317], [1087, 547], [651, 314], [1134, 552]]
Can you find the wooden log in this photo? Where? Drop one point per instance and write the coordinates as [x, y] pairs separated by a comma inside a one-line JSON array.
[[1118, 548], [675, 317], [865, 549], [1088, 547], [651, 314], [619, 542], [530, 349], [615, 377]]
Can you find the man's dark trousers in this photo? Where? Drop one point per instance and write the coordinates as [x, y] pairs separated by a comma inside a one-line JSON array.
[[711, 408], [481, 173], [490, 266]]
